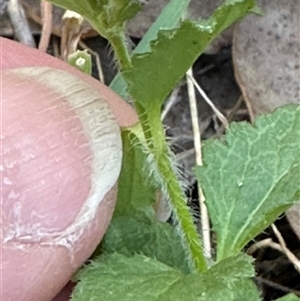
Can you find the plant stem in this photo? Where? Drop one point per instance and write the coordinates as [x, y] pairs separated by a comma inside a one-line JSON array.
[[172, 188], [117, 40], [178, 201]]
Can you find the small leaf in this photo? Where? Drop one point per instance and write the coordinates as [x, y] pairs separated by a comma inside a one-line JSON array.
[[116, 277], [153, 75], [136, 192], [251, 177], [142, 235], [168, 19], [81, 60]]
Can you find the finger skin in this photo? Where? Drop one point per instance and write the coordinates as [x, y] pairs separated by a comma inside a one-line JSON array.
[[48, 181], [16, 55]]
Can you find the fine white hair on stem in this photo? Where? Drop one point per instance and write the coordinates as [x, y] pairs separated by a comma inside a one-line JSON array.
[[221, 117], [205, 226], [151, 167]]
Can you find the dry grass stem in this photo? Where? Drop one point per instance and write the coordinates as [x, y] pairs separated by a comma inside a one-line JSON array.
[[46, 12], [277, 285], [205, 225], [185, 154], [293, 259], [209, 102], [281, 247], [231, 115], [19, 22], [172, 100], [259, 245], [98, 61]]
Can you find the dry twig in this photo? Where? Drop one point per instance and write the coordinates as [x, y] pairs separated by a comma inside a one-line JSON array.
[[259, 245], [46, 12], [293, 259], [172, 100], [205, 226], [277, 285], [98, 61], [230, 116], [281, 247], [19, 22], [209, 102]]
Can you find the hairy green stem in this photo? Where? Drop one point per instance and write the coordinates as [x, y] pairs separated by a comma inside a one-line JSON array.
[[157, 146], [118, 42], [117, 39], [172, 188], [177, 199]]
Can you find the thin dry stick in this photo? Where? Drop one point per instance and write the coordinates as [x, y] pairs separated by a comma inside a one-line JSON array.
[[173, 99], [247, 102], [277, 285], [281, 247], [230, 116], [98, 61], [205, 227], [19, 23], [184, 154], [209, 102], [258, 245], [293, 259], [266, 243], [46, 11], [235, 108]]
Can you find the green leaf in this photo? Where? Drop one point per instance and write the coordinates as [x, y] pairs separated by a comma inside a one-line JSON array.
[[168, 19], [133, 228], [105, 15], [153, 75], [143, 235], [136, 192], [81, 60], [116, 277], [163, 171], [289, 297], [251, 176], [150, 78]]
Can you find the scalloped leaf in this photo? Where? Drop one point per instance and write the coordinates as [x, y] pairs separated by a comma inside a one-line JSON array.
[[117, 277], [251, 177], [154, 74], [140, 234]]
